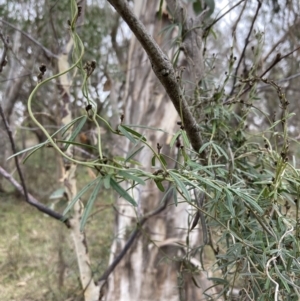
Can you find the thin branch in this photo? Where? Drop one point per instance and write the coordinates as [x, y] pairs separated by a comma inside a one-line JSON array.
[[22, 188], [238, 20], [32, 200], [282, 39], [163, 69], [14, 78], [137, 230], [46, 50], [132, 238], [117, 260], [286, 79], [13, 147], [52, 23], [207, 28], [118, 50], [245, 46], [277, 59]]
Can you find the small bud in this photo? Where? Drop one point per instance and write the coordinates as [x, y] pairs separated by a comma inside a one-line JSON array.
[[88, 107], [43, 68]]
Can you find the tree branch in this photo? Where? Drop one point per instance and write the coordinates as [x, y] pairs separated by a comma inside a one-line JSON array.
[[46, 50], [132, 238], [163, 69], [32, 200], [276, 60], [245, 46], [207, 28], [137, 231], [22, 188]]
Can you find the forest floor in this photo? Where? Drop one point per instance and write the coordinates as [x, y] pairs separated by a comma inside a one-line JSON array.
[[37, 261]]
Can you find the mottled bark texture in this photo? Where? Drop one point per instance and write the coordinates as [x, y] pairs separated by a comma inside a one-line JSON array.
[[162, 67], [151, 270], [90, 289], [10, 96]]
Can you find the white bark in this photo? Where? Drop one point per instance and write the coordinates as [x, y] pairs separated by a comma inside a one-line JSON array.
[[142, 274], [91, 290], [8, 100]]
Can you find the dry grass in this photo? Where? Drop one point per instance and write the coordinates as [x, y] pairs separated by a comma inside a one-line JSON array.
[[36, 257], [37, 262]]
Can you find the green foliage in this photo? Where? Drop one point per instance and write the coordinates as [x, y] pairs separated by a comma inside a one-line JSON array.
[[246, 178]]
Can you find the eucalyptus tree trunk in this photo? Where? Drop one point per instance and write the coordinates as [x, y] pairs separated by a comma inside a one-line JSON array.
[[91, 290], [153, 268], [9, 98]]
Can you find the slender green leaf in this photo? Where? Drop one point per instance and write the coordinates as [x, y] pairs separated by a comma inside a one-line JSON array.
[[167, 194], [174, 138], [90, 204], [106, 181], [220, 151], [126, 134], [159, 185], [133, 153], [195, 282], [153, 160], [218, 280], [65, 128], [120, 159], [163, 160], [180, 184], [34, 148], [146, 127], [38, 146], [76, 131], [134, 133], [57, 194], [80, 194], [229, 201], [123, 193], [204, 146], [186, 141], [176, 57], [246, 197], [284, 280], [208, 182], [128, 176], [160, 9], [175, 196]]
